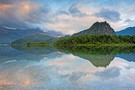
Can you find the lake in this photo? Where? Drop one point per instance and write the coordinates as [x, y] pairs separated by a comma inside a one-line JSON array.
[[48, 68]]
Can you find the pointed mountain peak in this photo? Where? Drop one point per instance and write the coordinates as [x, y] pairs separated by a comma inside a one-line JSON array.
[[98, 28], [100, 24]]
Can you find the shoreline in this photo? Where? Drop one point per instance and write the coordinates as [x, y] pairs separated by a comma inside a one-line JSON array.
[[108, 45], [78, 45]]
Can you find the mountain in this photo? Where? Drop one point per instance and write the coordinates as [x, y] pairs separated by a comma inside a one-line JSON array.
[[7, 35], [36, 38], [54, 33], [128, 31], [98, 28]]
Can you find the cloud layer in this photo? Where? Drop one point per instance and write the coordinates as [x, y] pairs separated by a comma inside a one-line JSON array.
[[110, 15], [67, 16], [23, 13]]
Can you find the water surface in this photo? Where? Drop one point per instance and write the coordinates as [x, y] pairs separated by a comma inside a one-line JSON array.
[[47, 68]]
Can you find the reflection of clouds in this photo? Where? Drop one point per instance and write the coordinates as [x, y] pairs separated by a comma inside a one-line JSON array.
[[109, 73], [69, 64], [117, 74], [66, 72], [75, 76], [63, 61], [5, 82], [119, 62]]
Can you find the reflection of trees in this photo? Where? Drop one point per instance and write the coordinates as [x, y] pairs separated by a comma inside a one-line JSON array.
[[98, 56], [98, 60]]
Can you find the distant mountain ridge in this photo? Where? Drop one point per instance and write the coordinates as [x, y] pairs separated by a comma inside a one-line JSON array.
[[98, 28], [36, 38], [54, 33], [8, 35], [128, 31]]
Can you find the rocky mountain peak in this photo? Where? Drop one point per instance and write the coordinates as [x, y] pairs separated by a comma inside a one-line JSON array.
[[98, 28]]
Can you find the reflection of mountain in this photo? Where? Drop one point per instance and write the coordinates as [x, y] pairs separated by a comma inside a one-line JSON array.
[[8, 53], [38, 51], [98, 60], [128, 57], [98, 56]]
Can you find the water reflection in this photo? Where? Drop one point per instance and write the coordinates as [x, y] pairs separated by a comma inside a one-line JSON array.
[[38, 51], [8, 53], [72, 71], [101, 56], [129, 57]]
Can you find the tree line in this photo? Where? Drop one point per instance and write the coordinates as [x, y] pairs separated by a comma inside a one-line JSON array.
[[95, 39]]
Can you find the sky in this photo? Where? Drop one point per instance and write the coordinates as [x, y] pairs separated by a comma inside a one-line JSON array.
[[66, 16]]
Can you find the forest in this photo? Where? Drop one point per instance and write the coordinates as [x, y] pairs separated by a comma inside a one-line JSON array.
[[96, 40]]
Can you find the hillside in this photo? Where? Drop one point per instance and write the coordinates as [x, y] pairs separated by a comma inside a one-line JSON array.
[[36, 38], [128, 31], [54, 33], [7, 35], [98, 28]]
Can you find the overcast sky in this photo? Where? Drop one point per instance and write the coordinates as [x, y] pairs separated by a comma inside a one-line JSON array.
[[66, 16]]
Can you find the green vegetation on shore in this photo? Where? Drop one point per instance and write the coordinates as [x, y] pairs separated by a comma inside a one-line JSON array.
[[96, 40], [89, 40], [109, 45]]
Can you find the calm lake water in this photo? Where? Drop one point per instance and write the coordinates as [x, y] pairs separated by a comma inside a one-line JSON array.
[[46, 68]]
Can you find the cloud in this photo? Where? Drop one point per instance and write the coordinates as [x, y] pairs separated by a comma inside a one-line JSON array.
[[8, 16], [63, 12], [68, 24], [110, 15], [10, 1], [21, 14], [70, 21], [75, 11], [129, 21]]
